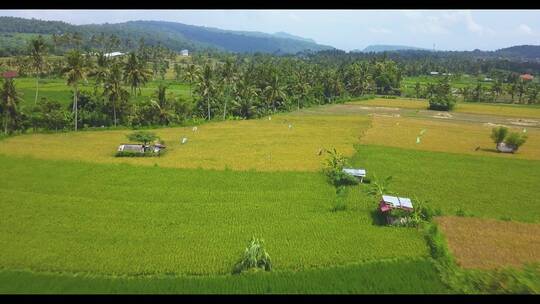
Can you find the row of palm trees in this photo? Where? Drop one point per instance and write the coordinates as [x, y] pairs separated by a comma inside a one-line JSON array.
[[220, 85], [489, 93]]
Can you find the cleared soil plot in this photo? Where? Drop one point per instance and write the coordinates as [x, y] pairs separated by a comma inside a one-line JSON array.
[[487, 187], [486, 243], [118, 219], [461, 107], [446, 136], [284, 143]]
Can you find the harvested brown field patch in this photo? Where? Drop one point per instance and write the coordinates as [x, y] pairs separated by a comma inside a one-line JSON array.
[[473, 108], [445, 136], [487, 244]]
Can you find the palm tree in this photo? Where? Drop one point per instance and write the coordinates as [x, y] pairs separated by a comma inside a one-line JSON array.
[[10, 99], [417, 89], [75, 72], [206, 85], [114, 90], [228, 77], [496, 89], [135, 74], [245, 94], [101, 71], [191, 75], [302, 90], [512, 89], [38, 53], [162, 104], [274, 90], [521, 88]]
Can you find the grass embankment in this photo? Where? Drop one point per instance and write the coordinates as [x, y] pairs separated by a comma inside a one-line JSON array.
[[510, 110], [287, 142], [133, 220], [414, 276], [446, 136]]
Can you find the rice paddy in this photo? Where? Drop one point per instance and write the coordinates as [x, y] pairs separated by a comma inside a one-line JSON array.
[[180, 221], [281, 143], [76, 219], [446, 136]]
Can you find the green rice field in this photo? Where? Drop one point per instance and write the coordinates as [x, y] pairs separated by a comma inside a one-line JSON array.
[[74, 220]]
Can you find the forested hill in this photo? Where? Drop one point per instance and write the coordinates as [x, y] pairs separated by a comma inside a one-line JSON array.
[[529, 53], [387, 48], [173, 35], [521, 51]]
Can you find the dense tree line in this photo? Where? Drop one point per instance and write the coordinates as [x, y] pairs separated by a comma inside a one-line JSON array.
[[221, 85]]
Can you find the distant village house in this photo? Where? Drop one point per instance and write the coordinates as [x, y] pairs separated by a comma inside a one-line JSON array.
[[114, 54], [527, 77], [184, 53]]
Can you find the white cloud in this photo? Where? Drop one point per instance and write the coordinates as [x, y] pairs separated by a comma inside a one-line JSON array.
[[524, 29], [379, 30]]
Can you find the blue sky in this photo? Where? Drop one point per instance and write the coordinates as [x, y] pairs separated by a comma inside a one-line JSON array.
[[344, 29]]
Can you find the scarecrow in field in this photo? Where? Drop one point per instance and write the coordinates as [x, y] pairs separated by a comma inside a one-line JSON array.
[[420, 135]]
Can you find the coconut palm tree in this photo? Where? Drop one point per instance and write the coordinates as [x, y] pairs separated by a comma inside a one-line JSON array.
[[274, 90], [75, 72], [161, 103], [191, 74], [38, 53], [101, 71], [244, 96], [114, 90], [228, 76], [206, 85], [497, 89], [135, 74], [9, 101]]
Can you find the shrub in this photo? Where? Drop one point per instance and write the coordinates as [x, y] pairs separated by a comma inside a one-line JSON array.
[[441, 103], [516, 140], [379, 186], [460, 212], [333, 170], [142, 136], [254, 258], [498, 134]]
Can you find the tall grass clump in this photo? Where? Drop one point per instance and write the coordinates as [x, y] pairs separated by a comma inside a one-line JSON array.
[[333, 169], [254, 258]]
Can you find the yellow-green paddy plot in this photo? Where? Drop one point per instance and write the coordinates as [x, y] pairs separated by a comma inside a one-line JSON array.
[[510, 110], [445, 136], [118, 219], [277, 143], [486, 243]]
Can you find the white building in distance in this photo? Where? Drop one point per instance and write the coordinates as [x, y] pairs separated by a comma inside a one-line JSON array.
[[113, 54], [184, 52]]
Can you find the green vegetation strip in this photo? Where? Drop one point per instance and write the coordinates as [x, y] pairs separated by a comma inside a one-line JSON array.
[[394, 276]]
